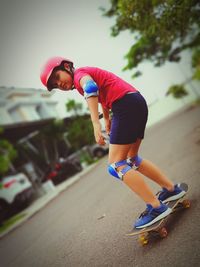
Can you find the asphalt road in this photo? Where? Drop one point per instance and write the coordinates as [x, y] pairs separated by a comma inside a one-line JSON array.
[[86, 224]]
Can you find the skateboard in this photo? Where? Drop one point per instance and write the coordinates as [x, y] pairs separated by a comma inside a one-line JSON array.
[[159, 228]]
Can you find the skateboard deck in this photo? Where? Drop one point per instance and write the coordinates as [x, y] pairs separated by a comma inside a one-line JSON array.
[[159, 227]]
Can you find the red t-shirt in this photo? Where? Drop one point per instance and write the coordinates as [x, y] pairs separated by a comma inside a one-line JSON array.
[[111, 87]]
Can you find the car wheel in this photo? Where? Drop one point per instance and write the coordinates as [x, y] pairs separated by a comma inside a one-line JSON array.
[[99, 153], [78, 167]]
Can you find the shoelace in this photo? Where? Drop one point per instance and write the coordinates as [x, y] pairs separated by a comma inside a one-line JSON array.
[[145, 212], [160, 192]]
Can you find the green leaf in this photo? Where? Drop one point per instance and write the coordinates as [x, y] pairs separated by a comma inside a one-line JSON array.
[[161, 30], [177, 91]]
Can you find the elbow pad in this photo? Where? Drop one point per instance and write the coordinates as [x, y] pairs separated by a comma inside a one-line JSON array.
[[90, 89]]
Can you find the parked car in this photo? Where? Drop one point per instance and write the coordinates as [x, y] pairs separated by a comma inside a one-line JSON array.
[[98, 151], [16, 192], [62, 170]]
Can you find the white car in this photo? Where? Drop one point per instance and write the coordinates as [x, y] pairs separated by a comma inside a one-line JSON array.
[[15, 191]]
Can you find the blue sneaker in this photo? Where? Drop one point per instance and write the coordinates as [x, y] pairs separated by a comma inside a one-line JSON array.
[[166, 196], [152, 215]]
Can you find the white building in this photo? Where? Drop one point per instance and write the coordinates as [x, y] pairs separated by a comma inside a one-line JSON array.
[[25, 105]]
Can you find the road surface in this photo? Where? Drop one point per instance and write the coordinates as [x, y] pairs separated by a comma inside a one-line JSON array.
[[86, 224]]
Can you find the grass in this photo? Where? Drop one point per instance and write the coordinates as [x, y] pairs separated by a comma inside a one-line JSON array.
[[8, 223], [196, 102]]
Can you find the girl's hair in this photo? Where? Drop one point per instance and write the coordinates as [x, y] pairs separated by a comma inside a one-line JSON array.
[[62, 67]]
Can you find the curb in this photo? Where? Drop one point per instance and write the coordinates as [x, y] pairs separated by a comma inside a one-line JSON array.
[[41, 202]]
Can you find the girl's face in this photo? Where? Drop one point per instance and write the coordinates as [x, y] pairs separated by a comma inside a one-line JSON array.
[[62, 80]]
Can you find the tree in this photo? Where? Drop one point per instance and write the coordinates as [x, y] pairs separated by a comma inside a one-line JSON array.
[[74, 106], [178, 91], [162, 29], [80, 130], [196, 64], [51, 135], [7, 154]]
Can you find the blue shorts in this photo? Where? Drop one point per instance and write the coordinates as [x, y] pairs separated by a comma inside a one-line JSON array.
[[130, 115]]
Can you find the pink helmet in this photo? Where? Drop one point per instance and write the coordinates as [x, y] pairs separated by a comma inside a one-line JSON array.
[[48, 68]]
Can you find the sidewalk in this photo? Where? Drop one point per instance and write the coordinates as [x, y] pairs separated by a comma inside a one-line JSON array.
[[41, 202]]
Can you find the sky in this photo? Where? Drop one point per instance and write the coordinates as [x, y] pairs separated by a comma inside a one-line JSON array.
[[32, 31]]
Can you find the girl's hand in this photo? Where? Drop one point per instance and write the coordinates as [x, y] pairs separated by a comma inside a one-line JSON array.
[[98, 134]]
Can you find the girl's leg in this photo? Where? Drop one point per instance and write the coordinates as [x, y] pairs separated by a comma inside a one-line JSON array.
[[132, 178], [149, 169]]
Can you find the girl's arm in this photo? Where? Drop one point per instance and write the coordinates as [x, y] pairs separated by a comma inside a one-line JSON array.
[[105, 113], [92, 102], [107, 120]]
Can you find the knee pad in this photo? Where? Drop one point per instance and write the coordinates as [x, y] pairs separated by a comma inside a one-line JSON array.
[[134, 162], [112, 169]]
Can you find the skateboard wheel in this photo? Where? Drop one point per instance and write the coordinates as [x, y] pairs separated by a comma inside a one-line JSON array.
[[186, 203], [143, 239], [163, 232]]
